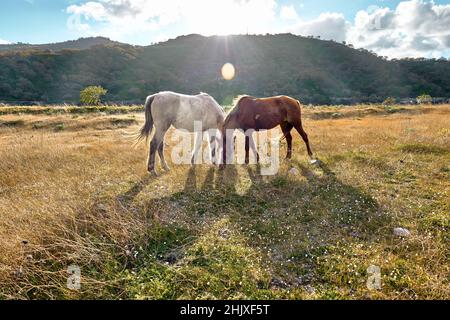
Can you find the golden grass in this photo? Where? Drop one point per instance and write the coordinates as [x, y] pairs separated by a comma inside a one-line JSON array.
[[73, 190], [69, 109]]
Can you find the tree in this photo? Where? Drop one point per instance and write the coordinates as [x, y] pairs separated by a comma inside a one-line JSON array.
[[92, 95], [389, 102], [424, 99]]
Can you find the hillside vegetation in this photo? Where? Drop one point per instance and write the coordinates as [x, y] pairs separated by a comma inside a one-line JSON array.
[[80, 44], [74, 191], [312, 70]]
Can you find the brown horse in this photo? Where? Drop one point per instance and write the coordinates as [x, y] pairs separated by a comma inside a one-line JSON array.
[[264, 114]]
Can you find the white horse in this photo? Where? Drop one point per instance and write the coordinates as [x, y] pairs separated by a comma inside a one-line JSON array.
[[166, 109]]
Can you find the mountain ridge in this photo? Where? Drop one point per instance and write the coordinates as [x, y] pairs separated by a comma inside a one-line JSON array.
[[77, 44], [312, 70]]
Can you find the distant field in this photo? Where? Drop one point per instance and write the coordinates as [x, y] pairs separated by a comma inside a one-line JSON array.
[[74, 191], [55, 110], [314, 112]]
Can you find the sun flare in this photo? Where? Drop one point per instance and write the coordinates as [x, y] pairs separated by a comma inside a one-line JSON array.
[[228, 17], [228, 71]]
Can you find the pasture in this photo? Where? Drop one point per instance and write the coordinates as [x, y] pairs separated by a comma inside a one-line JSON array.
[[74, 191]]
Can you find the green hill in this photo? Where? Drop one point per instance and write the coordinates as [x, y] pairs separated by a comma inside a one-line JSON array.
[[80, 44], [312, 70]]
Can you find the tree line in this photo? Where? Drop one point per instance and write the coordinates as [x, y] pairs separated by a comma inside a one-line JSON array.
[[312, 70]]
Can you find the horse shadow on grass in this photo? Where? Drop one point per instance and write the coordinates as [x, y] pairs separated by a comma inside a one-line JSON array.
[[128, 197], [318, 190], [285, 217]]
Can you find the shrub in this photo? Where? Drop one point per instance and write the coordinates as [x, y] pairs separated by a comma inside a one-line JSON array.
[[92, 95], [424, 99], [389, 102], [60, 127]]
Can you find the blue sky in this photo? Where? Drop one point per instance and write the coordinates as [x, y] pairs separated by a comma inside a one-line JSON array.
[[390, 27]]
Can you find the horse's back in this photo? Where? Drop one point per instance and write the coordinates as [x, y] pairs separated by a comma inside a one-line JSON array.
[[182, 111], [205, 108], [268, 105], [267, 113]]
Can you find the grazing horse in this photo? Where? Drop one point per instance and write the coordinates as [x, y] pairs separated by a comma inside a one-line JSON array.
[[167, 109], [264, 114]]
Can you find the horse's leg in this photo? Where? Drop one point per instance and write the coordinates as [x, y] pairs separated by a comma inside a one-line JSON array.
[[286, 128], [250, 144], [154, 145], [228, 137], [212, 146], [247, 149], [197, 145], [227, 149], [253, 147], [302, 132], [162, 157]]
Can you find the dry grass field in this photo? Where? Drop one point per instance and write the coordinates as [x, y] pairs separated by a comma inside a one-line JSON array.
[[74, 191]]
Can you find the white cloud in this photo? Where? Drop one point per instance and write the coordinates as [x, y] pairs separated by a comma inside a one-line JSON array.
[[4, 42], [415, 28], [90, 10], [288, 13], [330, 26], [121, 17]]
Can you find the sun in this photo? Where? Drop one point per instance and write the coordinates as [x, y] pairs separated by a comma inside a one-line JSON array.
[[220, 18], [228, 71]]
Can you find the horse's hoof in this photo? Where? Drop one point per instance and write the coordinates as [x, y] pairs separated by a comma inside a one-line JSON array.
[[153, 172]]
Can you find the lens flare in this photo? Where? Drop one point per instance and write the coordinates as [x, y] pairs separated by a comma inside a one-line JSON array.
[[228, 71]]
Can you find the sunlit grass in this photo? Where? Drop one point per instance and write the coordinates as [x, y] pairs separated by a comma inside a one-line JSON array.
[[67, 109], [73, 190]]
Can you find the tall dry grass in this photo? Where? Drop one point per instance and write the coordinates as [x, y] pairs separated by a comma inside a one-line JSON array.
[[73, 190]]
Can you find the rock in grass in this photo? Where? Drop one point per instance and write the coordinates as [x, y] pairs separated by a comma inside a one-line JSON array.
[[294, 172], [278, 283], [310, 289], [402, 232], [314, 161]]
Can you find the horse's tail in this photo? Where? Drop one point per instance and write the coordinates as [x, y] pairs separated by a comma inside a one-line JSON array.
[[148, 126]]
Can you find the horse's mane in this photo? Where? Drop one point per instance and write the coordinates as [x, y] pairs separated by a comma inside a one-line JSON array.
[[239, 98], [237, 101]]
